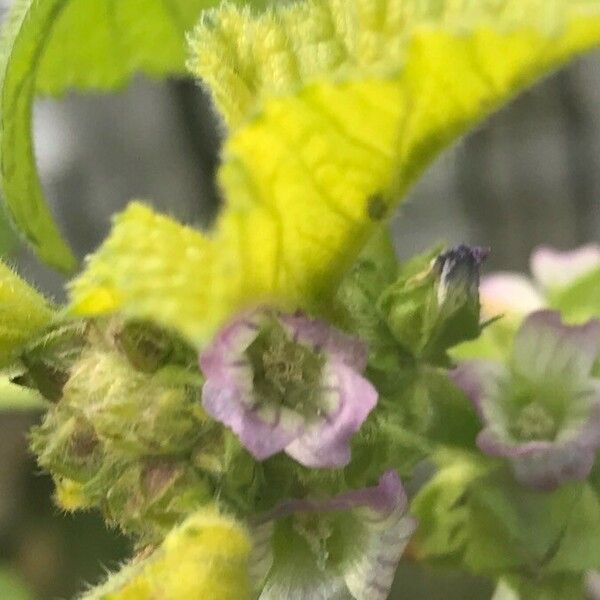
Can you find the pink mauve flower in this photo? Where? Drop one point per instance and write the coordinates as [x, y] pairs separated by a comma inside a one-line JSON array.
[[541, 411], [288, 383], [512, 293], [352, 544]]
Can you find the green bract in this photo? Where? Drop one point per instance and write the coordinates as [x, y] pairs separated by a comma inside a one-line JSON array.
[[51, 46]]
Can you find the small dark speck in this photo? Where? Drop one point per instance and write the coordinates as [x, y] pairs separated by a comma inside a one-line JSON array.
[[376, 208]]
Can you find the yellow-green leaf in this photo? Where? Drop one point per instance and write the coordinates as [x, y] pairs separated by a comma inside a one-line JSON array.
[[23, 313], [205, 558], [50, 46], [333, 108]]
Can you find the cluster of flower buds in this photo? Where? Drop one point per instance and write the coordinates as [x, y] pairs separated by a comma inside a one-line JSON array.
[[126, 432]]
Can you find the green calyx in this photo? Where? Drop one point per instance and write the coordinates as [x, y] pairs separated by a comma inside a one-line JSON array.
[[285, 372], [149, 347], [48, 360], [126, 438]]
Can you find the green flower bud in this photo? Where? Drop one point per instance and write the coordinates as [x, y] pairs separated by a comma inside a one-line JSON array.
[[134, 411], [434, 305], [149, 347], [150, 496], [128, 442], [48, 360]]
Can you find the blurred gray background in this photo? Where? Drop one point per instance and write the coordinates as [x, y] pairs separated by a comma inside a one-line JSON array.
[[530, 175]]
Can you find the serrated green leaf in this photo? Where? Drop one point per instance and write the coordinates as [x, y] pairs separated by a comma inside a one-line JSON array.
[[334, 107], [51, 46]]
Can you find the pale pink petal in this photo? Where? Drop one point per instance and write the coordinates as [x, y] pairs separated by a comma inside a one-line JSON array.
[[261, 435], [327, 442], [548, 355], [508, 294], [554, 269], [546, 348], [373, 545]]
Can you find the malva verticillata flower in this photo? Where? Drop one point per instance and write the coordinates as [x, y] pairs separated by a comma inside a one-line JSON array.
[[283, 382], [552, 271], [345, 546], [541, 411]]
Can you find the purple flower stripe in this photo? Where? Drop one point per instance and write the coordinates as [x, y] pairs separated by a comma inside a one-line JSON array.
[[367, 569]]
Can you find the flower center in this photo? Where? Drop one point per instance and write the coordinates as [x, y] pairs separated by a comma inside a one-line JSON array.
[[535, 423], [316, 530], [285, 372]]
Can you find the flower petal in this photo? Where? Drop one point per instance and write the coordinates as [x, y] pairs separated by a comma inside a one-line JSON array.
[[546, 348], [369, 574], [508, 293], [373, 542], [326, 442], [224, 355], [479, 380], [321, 336], [263, 435], [547, 470], [554, 269], [545, 465], [266, 426]]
